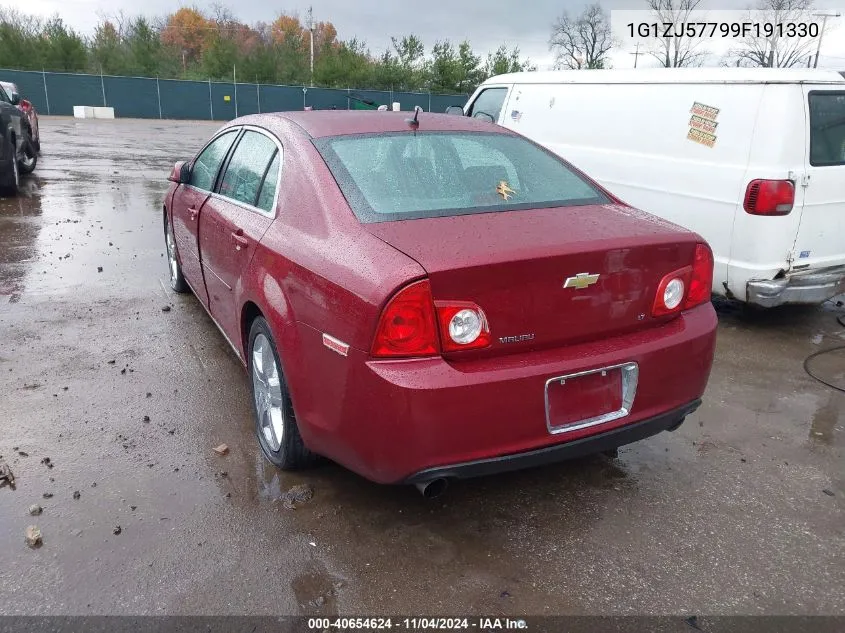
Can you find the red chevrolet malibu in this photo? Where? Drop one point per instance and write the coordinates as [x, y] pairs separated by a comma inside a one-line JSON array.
[[435, 297]]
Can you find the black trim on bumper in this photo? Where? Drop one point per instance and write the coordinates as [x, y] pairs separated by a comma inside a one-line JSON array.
[[560, 452]]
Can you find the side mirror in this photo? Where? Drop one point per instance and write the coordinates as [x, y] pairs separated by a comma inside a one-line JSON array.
[[483, 116], [16, 98], [458, 110], [181, 173]]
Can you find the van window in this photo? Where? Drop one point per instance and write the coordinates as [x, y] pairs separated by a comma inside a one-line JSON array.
[[490, 102], [827, 128], [402, 176]]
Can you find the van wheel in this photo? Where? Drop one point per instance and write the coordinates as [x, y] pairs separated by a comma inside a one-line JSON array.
[[275, 420]]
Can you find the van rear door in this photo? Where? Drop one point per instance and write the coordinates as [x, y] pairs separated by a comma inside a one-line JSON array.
[[820, 242]]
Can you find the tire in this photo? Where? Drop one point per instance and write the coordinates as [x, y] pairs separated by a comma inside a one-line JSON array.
[[177, 280], [29, 156], [10, 178], [272, 406]]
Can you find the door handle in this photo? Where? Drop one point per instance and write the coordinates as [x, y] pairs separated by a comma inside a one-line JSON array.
[[240, 241], [193, 213]]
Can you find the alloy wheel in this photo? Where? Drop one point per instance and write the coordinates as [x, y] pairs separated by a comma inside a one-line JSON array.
[[267, 389]]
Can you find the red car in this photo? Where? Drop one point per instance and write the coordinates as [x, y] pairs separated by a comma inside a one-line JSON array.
[[435, 298]]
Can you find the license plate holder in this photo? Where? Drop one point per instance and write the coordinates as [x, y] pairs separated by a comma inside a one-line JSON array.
[[589, 398]]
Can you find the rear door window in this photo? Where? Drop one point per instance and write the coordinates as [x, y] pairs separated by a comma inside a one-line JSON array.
[[402, 176], [247, 168], [267, 195], [207, 164], [489, 101], [827, 128]]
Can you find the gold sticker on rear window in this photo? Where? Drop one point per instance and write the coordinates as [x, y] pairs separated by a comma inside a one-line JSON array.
[[504, 190]]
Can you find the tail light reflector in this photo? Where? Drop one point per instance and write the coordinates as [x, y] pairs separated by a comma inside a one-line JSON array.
[[769, 197], [407, 326]]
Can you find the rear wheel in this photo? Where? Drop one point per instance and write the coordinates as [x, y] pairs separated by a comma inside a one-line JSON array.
[[28, 156], [177, 280], [275, 421]]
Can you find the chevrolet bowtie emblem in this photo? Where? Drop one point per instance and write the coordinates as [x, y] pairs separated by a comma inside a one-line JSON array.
[[580, 281]]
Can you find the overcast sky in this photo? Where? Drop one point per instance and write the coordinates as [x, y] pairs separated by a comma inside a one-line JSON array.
[[486, 23]]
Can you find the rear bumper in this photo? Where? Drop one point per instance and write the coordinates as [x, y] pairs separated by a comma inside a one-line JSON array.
[[578, 448], [810, 287], [392, 421]]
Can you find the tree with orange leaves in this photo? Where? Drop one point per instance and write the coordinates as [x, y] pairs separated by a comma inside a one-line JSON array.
[[288, 30], [189, 31], [325, 36]]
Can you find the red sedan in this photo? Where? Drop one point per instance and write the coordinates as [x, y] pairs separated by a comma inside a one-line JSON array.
[[420, 300]]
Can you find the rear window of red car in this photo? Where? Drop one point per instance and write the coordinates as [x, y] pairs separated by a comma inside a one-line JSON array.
[[410, 175]]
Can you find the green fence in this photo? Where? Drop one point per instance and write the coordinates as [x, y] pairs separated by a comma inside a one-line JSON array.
[[146, 98]]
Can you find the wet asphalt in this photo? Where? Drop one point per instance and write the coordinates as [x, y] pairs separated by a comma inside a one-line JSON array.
[[740, 511]]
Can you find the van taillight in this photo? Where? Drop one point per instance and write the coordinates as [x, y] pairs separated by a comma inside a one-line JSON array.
[[769, 197]]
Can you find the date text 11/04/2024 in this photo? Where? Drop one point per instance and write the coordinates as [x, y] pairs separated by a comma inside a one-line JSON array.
[[723, 29], [418, 624]]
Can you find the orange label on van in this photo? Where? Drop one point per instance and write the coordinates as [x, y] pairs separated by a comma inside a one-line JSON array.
[[703, 125], [704, 111], [701, 137]]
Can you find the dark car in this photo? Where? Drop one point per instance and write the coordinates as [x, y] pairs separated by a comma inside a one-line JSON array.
[[28, 108], [17, 152], [438, 297]]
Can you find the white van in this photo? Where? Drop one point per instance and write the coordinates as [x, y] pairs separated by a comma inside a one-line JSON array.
[[751, 159]]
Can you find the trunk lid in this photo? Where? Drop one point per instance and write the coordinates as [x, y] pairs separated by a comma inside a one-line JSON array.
[[514, 265]]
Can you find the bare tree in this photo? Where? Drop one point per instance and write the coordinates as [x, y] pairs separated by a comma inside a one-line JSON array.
[[583, 41], [678, 50], [774, 51]]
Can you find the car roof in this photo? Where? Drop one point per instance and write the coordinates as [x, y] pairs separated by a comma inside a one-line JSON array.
[[673, 75], [321, 123]]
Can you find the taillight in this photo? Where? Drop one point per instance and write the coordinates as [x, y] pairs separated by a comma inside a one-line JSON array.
[[671, 292], [407, 326], [463, 325], [686, 287], [769, 197], [701, 281]]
